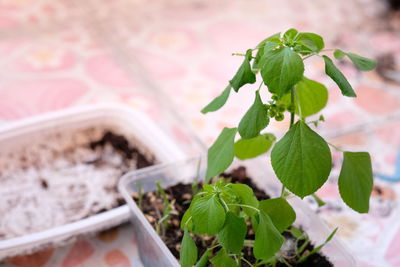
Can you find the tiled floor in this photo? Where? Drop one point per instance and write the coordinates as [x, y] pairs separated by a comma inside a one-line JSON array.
[[157, 55]]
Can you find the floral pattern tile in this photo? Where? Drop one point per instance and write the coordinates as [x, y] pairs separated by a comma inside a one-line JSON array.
[[175, 55]]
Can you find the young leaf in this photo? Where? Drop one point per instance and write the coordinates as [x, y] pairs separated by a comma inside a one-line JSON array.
[[280, 212], [362, 63], [231, 237], [309, 43], [251, 148], [302, 160], [218, 102], [311, 96], [255, 119], [188, 252], [317, 249], [244, 75], [222, 259], [282, 69], [203, 259], [332, 71], [290, 35], [339, 54], [220, 154], [266, 45], [275, 38], [268, 240], [208, 215], [246, 194], [356, 180]]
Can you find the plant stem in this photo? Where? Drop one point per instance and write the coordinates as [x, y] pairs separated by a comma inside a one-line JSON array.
[[292, 95], [246, 261], [223, 204], [244, 206], [335, 147], [291, 103], [248, 243]]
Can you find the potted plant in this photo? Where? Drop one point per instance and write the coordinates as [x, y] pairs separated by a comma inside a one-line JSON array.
[[227, 221]]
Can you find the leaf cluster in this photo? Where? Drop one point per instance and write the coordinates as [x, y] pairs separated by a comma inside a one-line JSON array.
[[301, 159], [226, 211]]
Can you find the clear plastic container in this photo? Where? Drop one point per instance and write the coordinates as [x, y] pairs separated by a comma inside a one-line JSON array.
[[153, 251], [128, 121]]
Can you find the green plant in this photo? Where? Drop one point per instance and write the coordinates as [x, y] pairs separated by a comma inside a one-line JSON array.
[[166, 211], [301, 159]]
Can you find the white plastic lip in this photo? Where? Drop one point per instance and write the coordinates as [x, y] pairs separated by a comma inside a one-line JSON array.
[[143, 129]]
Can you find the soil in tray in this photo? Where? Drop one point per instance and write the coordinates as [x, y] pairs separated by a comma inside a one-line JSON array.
[[64, 177], [181, 194]]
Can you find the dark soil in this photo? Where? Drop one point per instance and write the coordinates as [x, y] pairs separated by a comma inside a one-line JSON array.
[[181, 194], [121, 144]]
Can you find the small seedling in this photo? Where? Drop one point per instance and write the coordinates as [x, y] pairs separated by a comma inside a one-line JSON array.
[[167, 210], [301, 159]]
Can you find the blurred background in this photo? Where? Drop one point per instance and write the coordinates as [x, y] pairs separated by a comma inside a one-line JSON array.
[[169, 58]]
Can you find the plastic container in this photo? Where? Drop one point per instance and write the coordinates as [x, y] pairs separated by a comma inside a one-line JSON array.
[[153, 251], [127, 120]]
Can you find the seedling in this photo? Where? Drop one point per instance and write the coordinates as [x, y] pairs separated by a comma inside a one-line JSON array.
[[301, 159], [167, 210]]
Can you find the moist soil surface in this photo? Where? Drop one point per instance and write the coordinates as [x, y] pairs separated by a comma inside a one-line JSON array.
[[151, 204]]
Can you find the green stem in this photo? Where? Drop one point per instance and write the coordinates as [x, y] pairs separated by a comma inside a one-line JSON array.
[[223, 204], [244, 206], [335, 147], [211, 249], [246, 261], [292, 95], [292, 103], [248, 243]]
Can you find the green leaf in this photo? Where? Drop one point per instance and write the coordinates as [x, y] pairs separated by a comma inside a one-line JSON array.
[[356, 180], [290, 35], [280, 212], [266, 45], [204, 259], [244, 75], [297, 233], [311, 97], [318, 248], [222, 259], [309, 43], [247, 196], [220, 155], [339, 54], [185, 223], [218, 102], [188, 252], [268, 240], [332, 71], [302, 160], [282, 69], [231, 237], [255, 119], [251, 148], [208, 215], [362, 63]]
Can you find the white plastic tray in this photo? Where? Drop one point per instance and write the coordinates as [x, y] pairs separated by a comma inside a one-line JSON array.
[[135, 123]]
